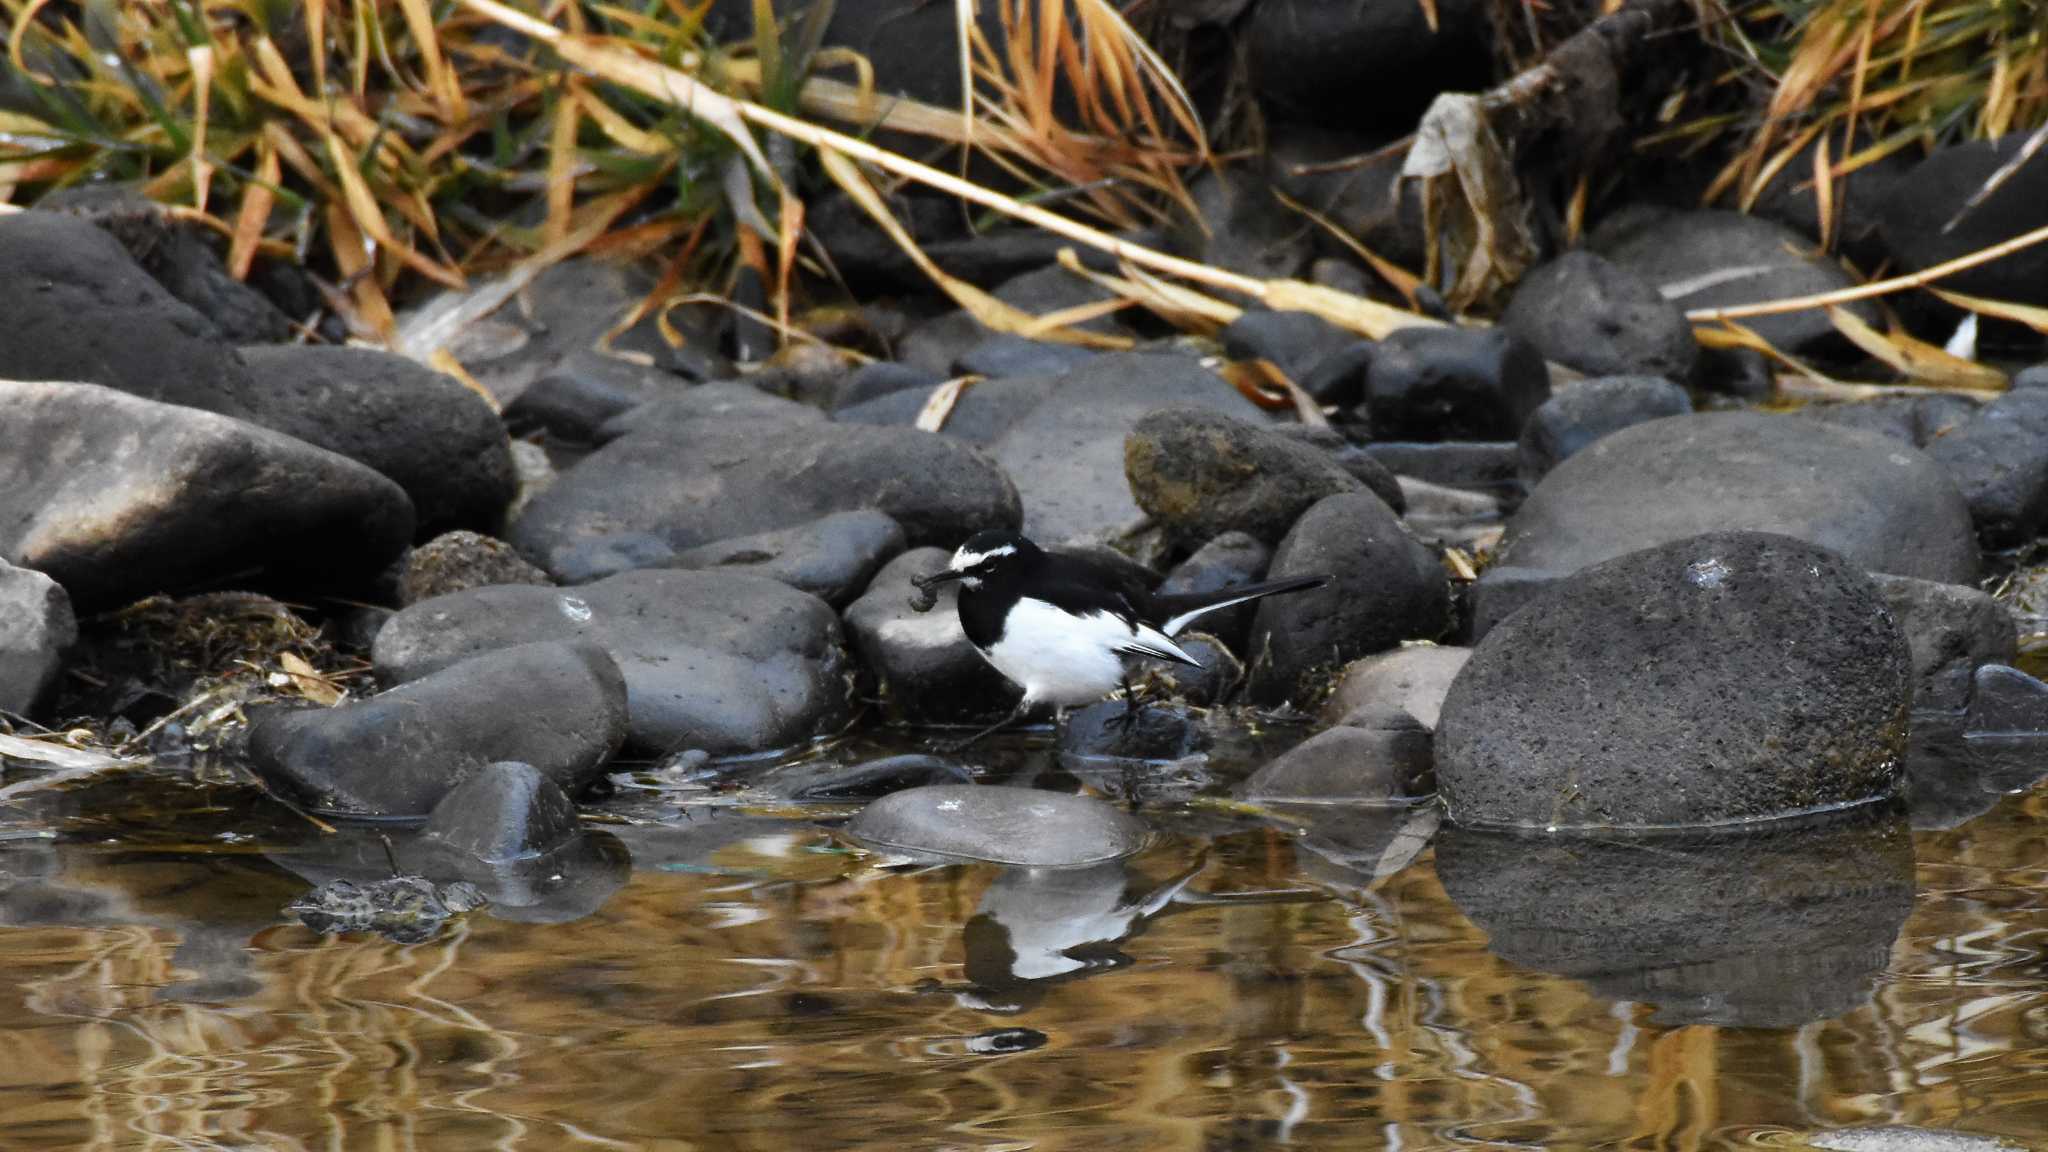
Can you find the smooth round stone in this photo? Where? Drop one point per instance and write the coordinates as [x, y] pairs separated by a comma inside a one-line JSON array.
[[1019, 826]]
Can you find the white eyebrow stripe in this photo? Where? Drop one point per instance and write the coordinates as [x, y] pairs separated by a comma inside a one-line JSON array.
[[963, 559]]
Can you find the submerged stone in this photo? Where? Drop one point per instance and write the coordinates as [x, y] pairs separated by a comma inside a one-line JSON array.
[[404, 909], [1021, 826]]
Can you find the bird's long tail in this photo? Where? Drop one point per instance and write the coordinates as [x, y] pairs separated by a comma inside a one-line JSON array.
[[1184, 609]]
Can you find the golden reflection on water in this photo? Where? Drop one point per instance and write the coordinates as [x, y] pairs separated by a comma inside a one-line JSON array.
[[776, 992]]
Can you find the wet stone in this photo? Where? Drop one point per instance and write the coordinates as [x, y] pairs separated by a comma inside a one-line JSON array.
[[1383, 765], [36, 629], [1295, 342], [1103, 731], [1999, 461], [880, 379], [2007, 702], [403, 909], [1020, 826], [863, 780], [728, 400], [504, 811], [572, 405], [1204, 687], [1004, 355], [458, 561], [982, 414]]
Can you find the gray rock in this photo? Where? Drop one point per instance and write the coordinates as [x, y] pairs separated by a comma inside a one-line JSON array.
[[2007, 702], [440, 441], [1716, 259], [983, 413], [1999, 460], [1044, 291], [720, 661], [1295, 342], [1387, 588], [573, 404], [832, 557], [1453, 384], [1451, 516], [1202, 474], [558, 707], [78, 309], [587, 561], [459, 561], [2027, 379], [1019, 826], [1353, 458], [1505, 589], [36, 629], [1882, 505], [1899, 1138], [559, 886], [1760, 928], [924, 668], [864, 780], [1581, 311], [1067, 454], [1951, 631], [1230, 559], [116, 497], [1923, 217], [1729, 677], [703, 481], [1915, 420], [1479, 465], [721, 400], [1103, 731], [880, 379], [1397, 688], [1586, 411], [1003, 355], [503, 812], [1347, 765], [1204, 687]]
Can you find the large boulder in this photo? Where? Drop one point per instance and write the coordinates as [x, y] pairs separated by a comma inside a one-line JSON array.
[[560, 708], [717, 661], [1385, 588], [36, 628], [117, 497], [440, 441], [78, 308], [1881, 504], [1202, 474], [700, 481], [1727, 677]]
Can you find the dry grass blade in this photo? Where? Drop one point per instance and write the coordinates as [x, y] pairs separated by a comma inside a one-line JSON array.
[[1875, 288], [2031, 315], [1916, 359]]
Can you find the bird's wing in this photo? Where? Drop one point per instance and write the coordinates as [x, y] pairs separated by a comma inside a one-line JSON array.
[[1149, 641]]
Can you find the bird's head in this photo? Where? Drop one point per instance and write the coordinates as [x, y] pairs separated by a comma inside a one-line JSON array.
[[986, 554]]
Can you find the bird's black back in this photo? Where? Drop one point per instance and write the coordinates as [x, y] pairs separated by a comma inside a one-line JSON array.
[[1078, 584]]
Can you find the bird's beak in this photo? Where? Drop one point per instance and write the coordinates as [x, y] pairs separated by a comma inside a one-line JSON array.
[[927, 583]]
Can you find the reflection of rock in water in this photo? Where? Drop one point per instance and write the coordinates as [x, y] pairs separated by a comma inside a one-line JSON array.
[[1349, 848], [1038, 924], [1952, 779], [561, 886], [1766, 928]]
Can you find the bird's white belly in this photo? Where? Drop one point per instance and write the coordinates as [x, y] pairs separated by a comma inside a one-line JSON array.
[[1058, 657]]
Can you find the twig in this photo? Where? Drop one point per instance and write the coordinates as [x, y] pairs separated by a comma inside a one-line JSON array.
[[1875, 288]]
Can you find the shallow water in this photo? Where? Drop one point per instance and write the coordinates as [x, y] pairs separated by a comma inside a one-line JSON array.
[[709, 975]]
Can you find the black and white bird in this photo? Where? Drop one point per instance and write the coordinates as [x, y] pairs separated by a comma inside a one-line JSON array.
[[1059, 625]]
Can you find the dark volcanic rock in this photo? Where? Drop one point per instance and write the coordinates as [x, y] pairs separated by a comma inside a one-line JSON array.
[[1202, 474], [558, 707], [1395, 688], [1204, 687], [1239, 226], [1453, 384], [1350, 766], [724, 399], [2007, 702], [1479, 465], [1916, 210], [1915, 420], [459, 561], [1294, 341], [982, 415], [924, 668], [1716, 259], [505, 811], [880, 379], [1951, 631], [1102, 731], [441, 442], [78, 309], [1586, 411], [1230, 559], [1387, 588], [117, 497], [1585, 313], [1999, 460], [720, 661], [1004, 355], [1023, 826], [1882, 505], [832, 557], [702, 481], [1728, 677], [573, 404], [36, 628], [1759, 928], [1306, 57]]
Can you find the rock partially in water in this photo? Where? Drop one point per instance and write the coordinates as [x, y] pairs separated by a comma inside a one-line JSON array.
[[1729, 677], [863, 780], [833, 557], [1202, 474], [403, 909], [1387, 588], [925, 670], [721, 661], [1882, 505], [1354, 848], [1591, 409], [2005, 701], [1204, 687], [558, 707], [705, 480], [36, 629], [1954, 775], [117, 497], [1228, 560], [555, 887], [1345, 765], [1756, 929], [458, 561], [1103, 731], [1951, 631], [1454, 384], [1394, 688], [1999, 460], [503, 812], [440, 441], [1021, 826], [1584, 312]]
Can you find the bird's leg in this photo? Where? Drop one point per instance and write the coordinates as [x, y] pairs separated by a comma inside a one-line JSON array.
[[1022, 710], [1129, 716]]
